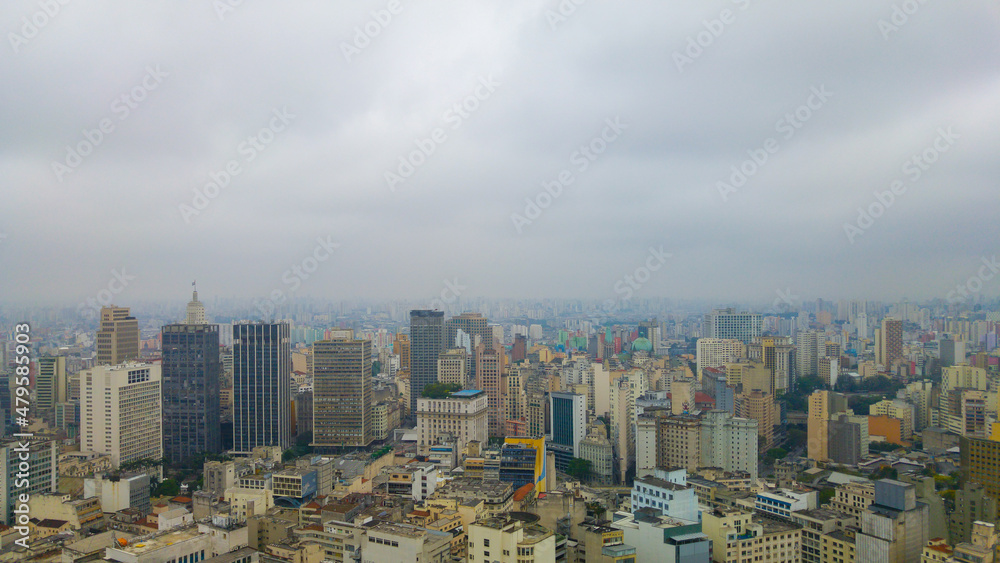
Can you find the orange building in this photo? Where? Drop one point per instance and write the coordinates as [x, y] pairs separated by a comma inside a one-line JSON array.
[[890, 428]]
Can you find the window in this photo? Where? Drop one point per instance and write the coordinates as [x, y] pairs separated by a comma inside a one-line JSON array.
[[486, 543]]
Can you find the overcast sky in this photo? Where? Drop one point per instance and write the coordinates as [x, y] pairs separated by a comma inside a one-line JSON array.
[[339, 94]]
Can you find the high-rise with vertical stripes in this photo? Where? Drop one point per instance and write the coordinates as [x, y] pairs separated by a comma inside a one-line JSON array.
[[427, 336], [262, 366]]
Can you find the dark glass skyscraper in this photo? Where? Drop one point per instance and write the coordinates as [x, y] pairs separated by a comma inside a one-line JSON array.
[[191, 371], [427, 335], [262, 367]]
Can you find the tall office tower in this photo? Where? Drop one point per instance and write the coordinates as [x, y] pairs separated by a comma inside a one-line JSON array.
[[401, 347], [479, 331], [759, 405], [650, 330], [861, 323], [822, 405], [717, 352], [520, 349], [427, 341], [568, 426], [262, 366], [778, 355], [118, 336], [342, 393], [490, 370], [894, 528], [192, 407], [195, 310], [729, 442], [811, 346], [727, 323], [50, 386], [890, 342], [453, 367], [31, 471], [515, 397], [951, 351], [535, 388], [121, 412], [828, 370]]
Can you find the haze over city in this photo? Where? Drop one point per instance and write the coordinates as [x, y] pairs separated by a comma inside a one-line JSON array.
[[401, 146]]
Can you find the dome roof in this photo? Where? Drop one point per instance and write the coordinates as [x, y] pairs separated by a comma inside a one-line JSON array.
[[643, 344]]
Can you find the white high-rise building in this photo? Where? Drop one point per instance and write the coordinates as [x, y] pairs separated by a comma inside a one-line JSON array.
[[195, 310], [811, 346], [121, 412], [717, 352], [727, 323]]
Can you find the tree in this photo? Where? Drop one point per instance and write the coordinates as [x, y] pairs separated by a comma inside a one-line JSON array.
[[168, 488], [775, 454], [825, 495], [579, 468], [440, 390], [797, 438]]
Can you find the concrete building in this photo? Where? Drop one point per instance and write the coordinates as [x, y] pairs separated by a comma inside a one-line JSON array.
[[727, 323], [815, 524], [783, 502], [728, 442], [760, 407], [80, 513], [387, 541], [597, 449], [853, 498], [117, 337], [717, 352], [385, 419], [810, 347], [779, 357], [342, 393], [182, 544], [121, 412], [43, 474], [972, 504], [120, 492], [897, 409], [489, 372], [822, 405], [889, 343], [496, 496], [738, 537], [666, 491], [262, 401], [661, 538], [51, 386], [964, 376], [894, 528], [463, 416], [453, 367], [512, 538]]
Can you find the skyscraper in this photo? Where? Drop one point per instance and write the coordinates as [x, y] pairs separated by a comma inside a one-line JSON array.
[[890, 342], [490, 370], [195, 310], [727, 323], [117, 337], [192, 370], [427, 336], [568, 425], [50, 385], [120, 412], [262, 365], [477, 327], [342, 393]]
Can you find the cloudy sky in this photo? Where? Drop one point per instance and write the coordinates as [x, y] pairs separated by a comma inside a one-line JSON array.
[[379, 148]]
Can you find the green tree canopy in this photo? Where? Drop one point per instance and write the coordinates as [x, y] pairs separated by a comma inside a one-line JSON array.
[[440, 390], [579, 468]]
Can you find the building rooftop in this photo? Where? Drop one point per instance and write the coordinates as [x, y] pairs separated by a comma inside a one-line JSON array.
[[660, 483], [466, 393], [159, 541], [403, 530]]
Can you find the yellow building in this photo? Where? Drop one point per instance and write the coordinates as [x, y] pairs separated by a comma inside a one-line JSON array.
[[538, 444], [837, 546], [739, 538]]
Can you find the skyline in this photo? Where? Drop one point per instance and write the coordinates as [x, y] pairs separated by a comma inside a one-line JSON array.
[[635, 123]]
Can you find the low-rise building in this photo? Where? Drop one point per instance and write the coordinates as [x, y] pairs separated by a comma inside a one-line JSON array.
[[512, 538], [739, 537], [668, 492], [660, 538], [403, 543], [81, 513], [781, 503], [416, 480], [497, 496]]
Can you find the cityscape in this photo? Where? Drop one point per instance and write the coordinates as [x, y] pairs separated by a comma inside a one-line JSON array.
[[499, 282]]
